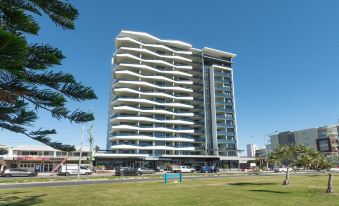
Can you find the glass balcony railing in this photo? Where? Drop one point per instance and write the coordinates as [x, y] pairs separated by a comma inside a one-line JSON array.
[[223, 81], [224, 117], [199, 139], [199, 148], [222, 88], [224, 102], [225, 133], [155, 136], [224, 110], [222, 74], [223, 95], [223, 125]]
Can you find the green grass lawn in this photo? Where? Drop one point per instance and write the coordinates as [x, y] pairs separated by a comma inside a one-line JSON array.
[[52, 179], [246, 191], [93, 177]]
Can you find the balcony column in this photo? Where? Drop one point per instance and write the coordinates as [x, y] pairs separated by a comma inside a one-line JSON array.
[[137, 143]]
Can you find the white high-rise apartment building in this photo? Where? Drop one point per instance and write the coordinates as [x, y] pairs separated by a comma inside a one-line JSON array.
[[251, 148], [170, 102]]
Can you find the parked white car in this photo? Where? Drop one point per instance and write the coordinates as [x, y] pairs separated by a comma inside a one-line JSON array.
[[73, 170], [335, 169], [182, 169], [16, 172], [282, 169]]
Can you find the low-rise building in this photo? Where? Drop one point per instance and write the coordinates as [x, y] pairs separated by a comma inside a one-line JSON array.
[[260, 153], [39, 158]]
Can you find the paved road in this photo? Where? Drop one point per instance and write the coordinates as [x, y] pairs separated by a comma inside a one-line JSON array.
[[92, 182]]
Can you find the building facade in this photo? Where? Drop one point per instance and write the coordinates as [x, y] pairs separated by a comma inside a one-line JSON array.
[[324, 139], [170, 102], [39, 158]]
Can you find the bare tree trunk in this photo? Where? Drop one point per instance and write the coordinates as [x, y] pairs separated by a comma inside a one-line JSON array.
[[286, 181], [329, 184]]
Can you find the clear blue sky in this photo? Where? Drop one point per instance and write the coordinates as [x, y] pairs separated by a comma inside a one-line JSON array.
[[286, 72]]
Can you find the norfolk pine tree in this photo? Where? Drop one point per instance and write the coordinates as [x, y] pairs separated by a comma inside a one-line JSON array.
[[27, 82]]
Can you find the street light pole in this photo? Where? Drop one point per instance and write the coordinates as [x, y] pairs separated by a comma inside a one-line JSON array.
[[266, 135], [266, 154], [80, 155], [91, 141]]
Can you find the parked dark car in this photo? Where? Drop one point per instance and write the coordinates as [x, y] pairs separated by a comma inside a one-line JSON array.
[[18, 173], [144, 170], [127, 171], [209, 169]]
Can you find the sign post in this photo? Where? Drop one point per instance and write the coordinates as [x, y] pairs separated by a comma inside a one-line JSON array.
[[168, 176]]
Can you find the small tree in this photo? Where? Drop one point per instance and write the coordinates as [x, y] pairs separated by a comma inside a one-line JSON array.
[[324, 163], [299, 155], [167, 166], [310, 158], [287, 156]]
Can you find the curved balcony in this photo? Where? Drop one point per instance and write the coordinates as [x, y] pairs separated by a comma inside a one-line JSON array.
[[150, 38], [150, 102], [146, 51], [121, 40], [136, 147], [129, 57], [153, 129], [127, 74], [150, 138], [123, 66], [121, 91], [147, 119], [123, 83], [151, 111]]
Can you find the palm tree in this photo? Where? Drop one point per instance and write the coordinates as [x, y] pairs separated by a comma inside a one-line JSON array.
[[299, 155], [325, 163], [310, 158], [285, 155]]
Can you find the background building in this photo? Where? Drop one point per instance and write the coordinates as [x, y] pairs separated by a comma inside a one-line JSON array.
[[170, 102], [323, 139], [251, 148]]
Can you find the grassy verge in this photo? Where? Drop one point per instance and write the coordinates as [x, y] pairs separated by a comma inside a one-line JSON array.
[[70, 178], [53, 179], [249, 191]]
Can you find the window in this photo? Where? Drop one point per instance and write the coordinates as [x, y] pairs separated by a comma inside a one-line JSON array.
[[160, 52], [24, 152], [323, 145], [3, 152], [159, 134], [33, 153]]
